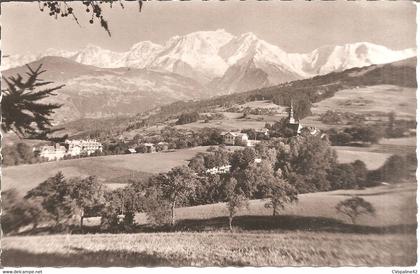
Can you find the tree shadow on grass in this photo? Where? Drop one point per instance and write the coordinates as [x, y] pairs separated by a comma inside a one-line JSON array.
[[247, 223], [80, 257], [290, 223]]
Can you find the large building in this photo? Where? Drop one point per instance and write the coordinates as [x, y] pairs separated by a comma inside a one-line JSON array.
[[70, 148], [77, 147], [234, 138], [52, 153]]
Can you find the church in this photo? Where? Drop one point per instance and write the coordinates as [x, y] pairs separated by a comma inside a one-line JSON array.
[[293, 123]]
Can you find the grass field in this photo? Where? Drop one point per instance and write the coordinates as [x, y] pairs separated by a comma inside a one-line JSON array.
[[395, 205], [373, 160], [211, 249], [309, 233], [381, 98], [108, 169], [116, 169]]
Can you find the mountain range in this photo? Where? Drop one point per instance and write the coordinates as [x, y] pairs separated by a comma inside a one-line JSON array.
[[103, 83], [225, 62]]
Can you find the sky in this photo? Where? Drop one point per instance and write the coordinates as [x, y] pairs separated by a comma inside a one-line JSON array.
[[295, 26]]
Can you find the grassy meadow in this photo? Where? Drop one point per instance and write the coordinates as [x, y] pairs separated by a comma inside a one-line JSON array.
[[108, 169], [308, 233], [372, 99], [211, 249]]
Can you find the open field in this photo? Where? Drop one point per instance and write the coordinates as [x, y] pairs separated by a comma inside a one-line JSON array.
[[395, 205], [233, 121], [309, 233], [385, 146], [373, 160], [115, 169], [211, 249], [381, 98], [108, 169]]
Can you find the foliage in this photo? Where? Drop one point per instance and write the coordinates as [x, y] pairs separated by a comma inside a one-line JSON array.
[[339, 118], [18, 154], [22, 112], [87, 195], [360, 173], [54, 194], [365, 134], [281, 128], [18, 212], [279, 192], [122, 202], [187, 118], [94, 8], [241, 159], [354, 207], [394, 169], [175, 186], [235, 199], [63, 199], [342, 176], [355, 134], [311, 158]]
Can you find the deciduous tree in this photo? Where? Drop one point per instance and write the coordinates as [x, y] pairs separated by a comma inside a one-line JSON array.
[[354, 207], [175, 186]]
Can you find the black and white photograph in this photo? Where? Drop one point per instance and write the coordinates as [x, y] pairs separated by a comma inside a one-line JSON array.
[[208, 134]]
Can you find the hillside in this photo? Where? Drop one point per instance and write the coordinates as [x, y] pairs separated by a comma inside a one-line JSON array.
[[93, 92], [307, 233], [313, 90]]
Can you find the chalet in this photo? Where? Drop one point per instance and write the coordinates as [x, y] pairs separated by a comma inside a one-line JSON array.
[[132, 150], [149, 148], [233, 138], [262, 131], [162, 146]]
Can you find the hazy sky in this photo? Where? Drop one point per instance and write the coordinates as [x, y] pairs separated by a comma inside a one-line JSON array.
[[294, 26]]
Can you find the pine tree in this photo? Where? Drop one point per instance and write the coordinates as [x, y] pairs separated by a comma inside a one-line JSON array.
[[21, 107]]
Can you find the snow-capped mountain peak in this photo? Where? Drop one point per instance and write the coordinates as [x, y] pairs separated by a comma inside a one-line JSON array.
[[208, 56]]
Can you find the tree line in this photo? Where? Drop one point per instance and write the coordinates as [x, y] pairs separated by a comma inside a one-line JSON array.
[[276, 171]]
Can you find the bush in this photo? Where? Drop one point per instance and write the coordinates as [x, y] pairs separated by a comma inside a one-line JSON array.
[[394, 169], [18, 154], [354, 207], [19, 212], [342, 176], [187, 118]]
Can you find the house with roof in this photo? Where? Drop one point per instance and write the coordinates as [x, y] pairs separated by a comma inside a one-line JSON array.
[[132, 150], [149, 147], [233, 138]]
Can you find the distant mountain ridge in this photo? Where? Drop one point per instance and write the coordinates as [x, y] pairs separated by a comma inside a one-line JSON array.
[[225, 62], [92, 92]]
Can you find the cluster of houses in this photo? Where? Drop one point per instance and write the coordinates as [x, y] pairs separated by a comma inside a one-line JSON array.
[[233, 138], [70, 148], [226, 168], [150, 148]]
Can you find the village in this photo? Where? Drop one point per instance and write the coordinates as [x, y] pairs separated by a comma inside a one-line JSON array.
[[92, 147], [215, 134]]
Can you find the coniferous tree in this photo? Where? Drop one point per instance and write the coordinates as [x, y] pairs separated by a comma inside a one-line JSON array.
[[22, 109]]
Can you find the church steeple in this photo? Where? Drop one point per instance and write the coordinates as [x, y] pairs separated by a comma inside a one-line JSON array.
[[291, 114]]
